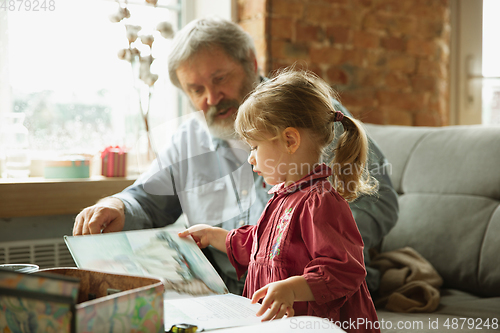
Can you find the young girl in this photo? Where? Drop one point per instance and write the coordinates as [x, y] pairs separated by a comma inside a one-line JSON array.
[[305, 255]]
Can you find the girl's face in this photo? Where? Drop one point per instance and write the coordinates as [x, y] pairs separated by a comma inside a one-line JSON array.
[[269, 159]]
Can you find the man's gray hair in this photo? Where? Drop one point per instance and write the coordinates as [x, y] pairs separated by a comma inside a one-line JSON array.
[[209, 32]]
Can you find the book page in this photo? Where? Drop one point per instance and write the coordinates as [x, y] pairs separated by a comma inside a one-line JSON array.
[[159, 253], [211, 312]]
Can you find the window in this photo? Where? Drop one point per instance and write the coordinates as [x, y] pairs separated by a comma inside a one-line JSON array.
[[60, 67], [491, 65], [475, 71]]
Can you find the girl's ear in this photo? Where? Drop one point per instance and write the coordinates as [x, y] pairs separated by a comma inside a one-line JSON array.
[[291, 137]]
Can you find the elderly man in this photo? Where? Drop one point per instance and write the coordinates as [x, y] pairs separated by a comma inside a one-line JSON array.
[[204, 171]]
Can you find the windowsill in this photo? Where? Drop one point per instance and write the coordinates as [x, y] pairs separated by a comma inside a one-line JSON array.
[[40, 196]]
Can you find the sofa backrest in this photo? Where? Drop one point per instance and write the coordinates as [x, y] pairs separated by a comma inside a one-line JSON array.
[[448, 179]]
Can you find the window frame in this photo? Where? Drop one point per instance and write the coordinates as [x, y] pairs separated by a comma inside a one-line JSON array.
[[466, 62]]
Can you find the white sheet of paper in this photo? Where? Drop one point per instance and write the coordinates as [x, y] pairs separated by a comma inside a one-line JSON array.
[[211, 312], [300, 324]]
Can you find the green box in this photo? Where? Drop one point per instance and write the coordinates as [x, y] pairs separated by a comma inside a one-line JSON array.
[[66, 169]]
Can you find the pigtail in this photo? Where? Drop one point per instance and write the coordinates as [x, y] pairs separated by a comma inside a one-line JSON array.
[[350, 174]]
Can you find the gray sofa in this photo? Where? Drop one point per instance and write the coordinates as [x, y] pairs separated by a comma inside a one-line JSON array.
[[448, 179]]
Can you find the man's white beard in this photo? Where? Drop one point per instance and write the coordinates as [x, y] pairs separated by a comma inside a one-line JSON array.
[[224, 128], [221, 128]]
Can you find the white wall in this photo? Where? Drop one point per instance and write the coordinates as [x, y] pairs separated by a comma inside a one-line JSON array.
[[194, 9], [220, 8]]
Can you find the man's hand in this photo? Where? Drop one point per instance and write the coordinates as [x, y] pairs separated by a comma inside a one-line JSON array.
[[108, 215], [205, 235]]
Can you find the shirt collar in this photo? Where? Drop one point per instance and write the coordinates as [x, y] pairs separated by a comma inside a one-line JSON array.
[[320, 171], [213, 143], [219, 143]]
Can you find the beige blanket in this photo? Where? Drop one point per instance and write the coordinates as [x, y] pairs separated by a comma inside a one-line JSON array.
[[408, 281]]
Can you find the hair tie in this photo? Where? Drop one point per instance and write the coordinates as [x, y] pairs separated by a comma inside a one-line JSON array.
[[337, 116]]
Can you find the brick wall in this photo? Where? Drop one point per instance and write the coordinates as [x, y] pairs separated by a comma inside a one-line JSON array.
[[388, 59]]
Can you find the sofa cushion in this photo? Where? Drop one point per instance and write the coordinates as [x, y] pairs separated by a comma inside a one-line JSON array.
[[397, 145], [449, 184], [455, 305], [455, 160]]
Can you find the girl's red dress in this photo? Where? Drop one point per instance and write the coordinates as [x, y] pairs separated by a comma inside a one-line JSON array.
[[308, 229]]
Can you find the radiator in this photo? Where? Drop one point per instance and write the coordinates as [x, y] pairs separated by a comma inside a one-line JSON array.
[[45, 253]]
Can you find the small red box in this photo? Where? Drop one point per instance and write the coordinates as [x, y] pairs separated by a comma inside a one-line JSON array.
[[114, 162]]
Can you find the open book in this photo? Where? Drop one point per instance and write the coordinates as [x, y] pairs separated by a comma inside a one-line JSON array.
[[194, 292]]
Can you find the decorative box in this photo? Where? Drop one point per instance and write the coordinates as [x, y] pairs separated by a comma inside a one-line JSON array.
[[37, 302], [100, 302], [114, 162], [69, 167]]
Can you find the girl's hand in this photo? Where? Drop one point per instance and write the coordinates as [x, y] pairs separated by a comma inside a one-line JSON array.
[[278, 298], [205, 235], [200, 234]]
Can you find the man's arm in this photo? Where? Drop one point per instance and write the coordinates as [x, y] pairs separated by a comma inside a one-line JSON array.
[[144, 210], [137, 207], [375, 215], [131, 209]]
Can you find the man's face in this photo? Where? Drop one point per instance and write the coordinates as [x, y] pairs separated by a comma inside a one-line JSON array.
[[216, 84]]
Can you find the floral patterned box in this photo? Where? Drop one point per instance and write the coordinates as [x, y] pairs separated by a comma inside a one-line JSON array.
[[37, 303], [104, 303]]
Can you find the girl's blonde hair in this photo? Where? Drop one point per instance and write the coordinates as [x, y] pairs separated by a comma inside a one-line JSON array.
[[300, 99]]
